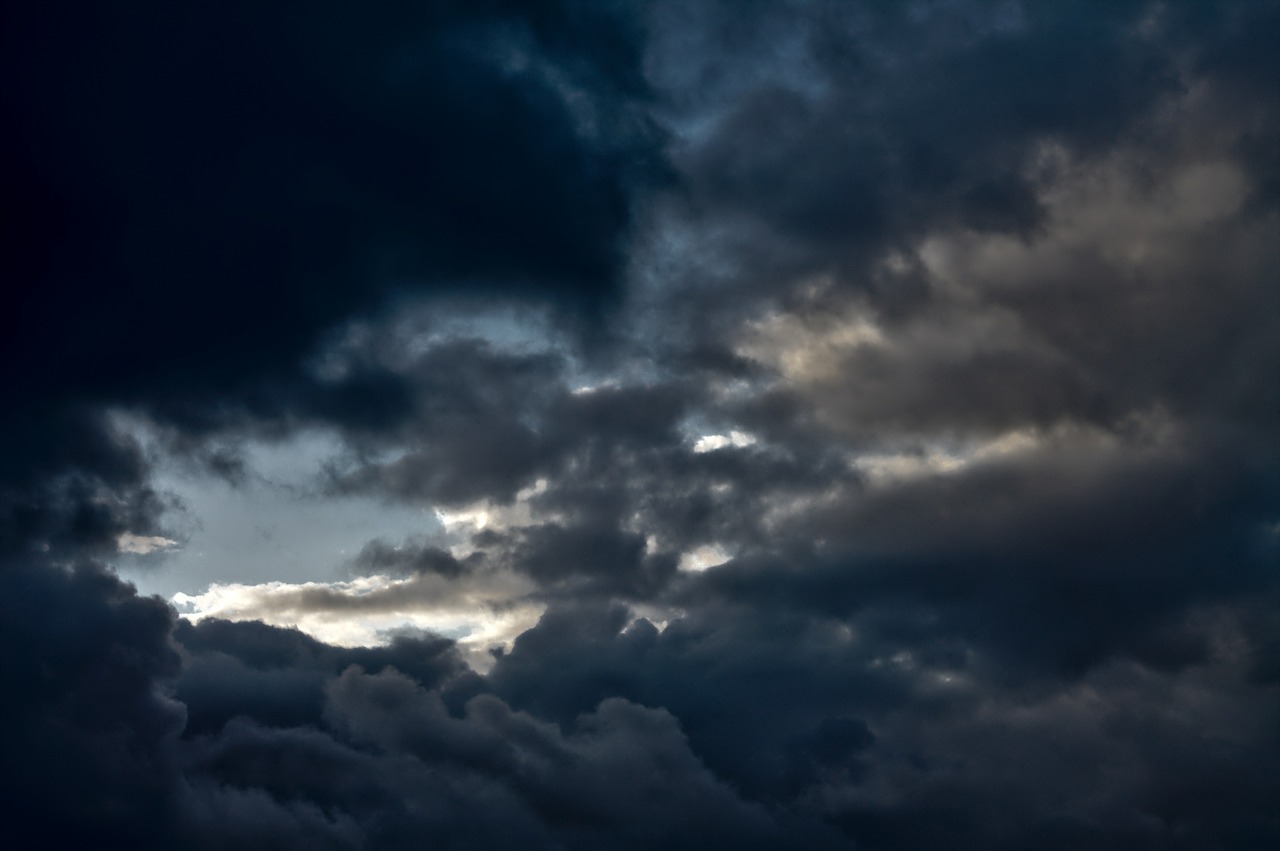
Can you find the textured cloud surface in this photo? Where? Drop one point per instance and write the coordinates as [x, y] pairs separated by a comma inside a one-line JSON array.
[[641, 425]]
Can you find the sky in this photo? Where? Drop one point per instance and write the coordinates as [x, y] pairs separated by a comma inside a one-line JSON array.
[[590, 424]]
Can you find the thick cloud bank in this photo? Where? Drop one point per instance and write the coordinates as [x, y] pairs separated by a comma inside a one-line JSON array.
[[700, 425]]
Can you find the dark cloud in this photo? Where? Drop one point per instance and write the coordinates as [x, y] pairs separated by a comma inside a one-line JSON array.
[[551, 553], [873, 124], [277, 676], [86, 723], [198, 194], [410, 559], [247, 165], [836, 718], [881, 400], [406, 769]]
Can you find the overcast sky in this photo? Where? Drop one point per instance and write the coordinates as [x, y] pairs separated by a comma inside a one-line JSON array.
[[583, 424]]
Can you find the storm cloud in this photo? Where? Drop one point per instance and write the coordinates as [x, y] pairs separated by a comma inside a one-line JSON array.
[[633, 425]]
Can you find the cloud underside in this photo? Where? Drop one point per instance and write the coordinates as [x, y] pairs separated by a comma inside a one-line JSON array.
[[811, 426]]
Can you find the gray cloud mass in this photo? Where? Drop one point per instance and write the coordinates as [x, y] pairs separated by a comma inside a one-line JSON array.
[[791, 425]]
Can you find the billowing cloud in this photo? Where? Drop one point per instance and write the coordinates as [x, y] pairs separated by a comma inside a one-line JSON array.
[[632, 425]]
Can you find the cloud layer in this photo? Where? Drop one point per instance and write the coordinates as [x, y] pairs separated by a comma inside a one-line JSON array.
[[812, 425]]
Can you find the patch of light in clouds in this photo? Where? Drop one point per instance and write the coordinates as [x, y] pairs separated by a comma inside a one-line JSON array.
[[371, 610], [133, 544], [712, 442], [703, 558]]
